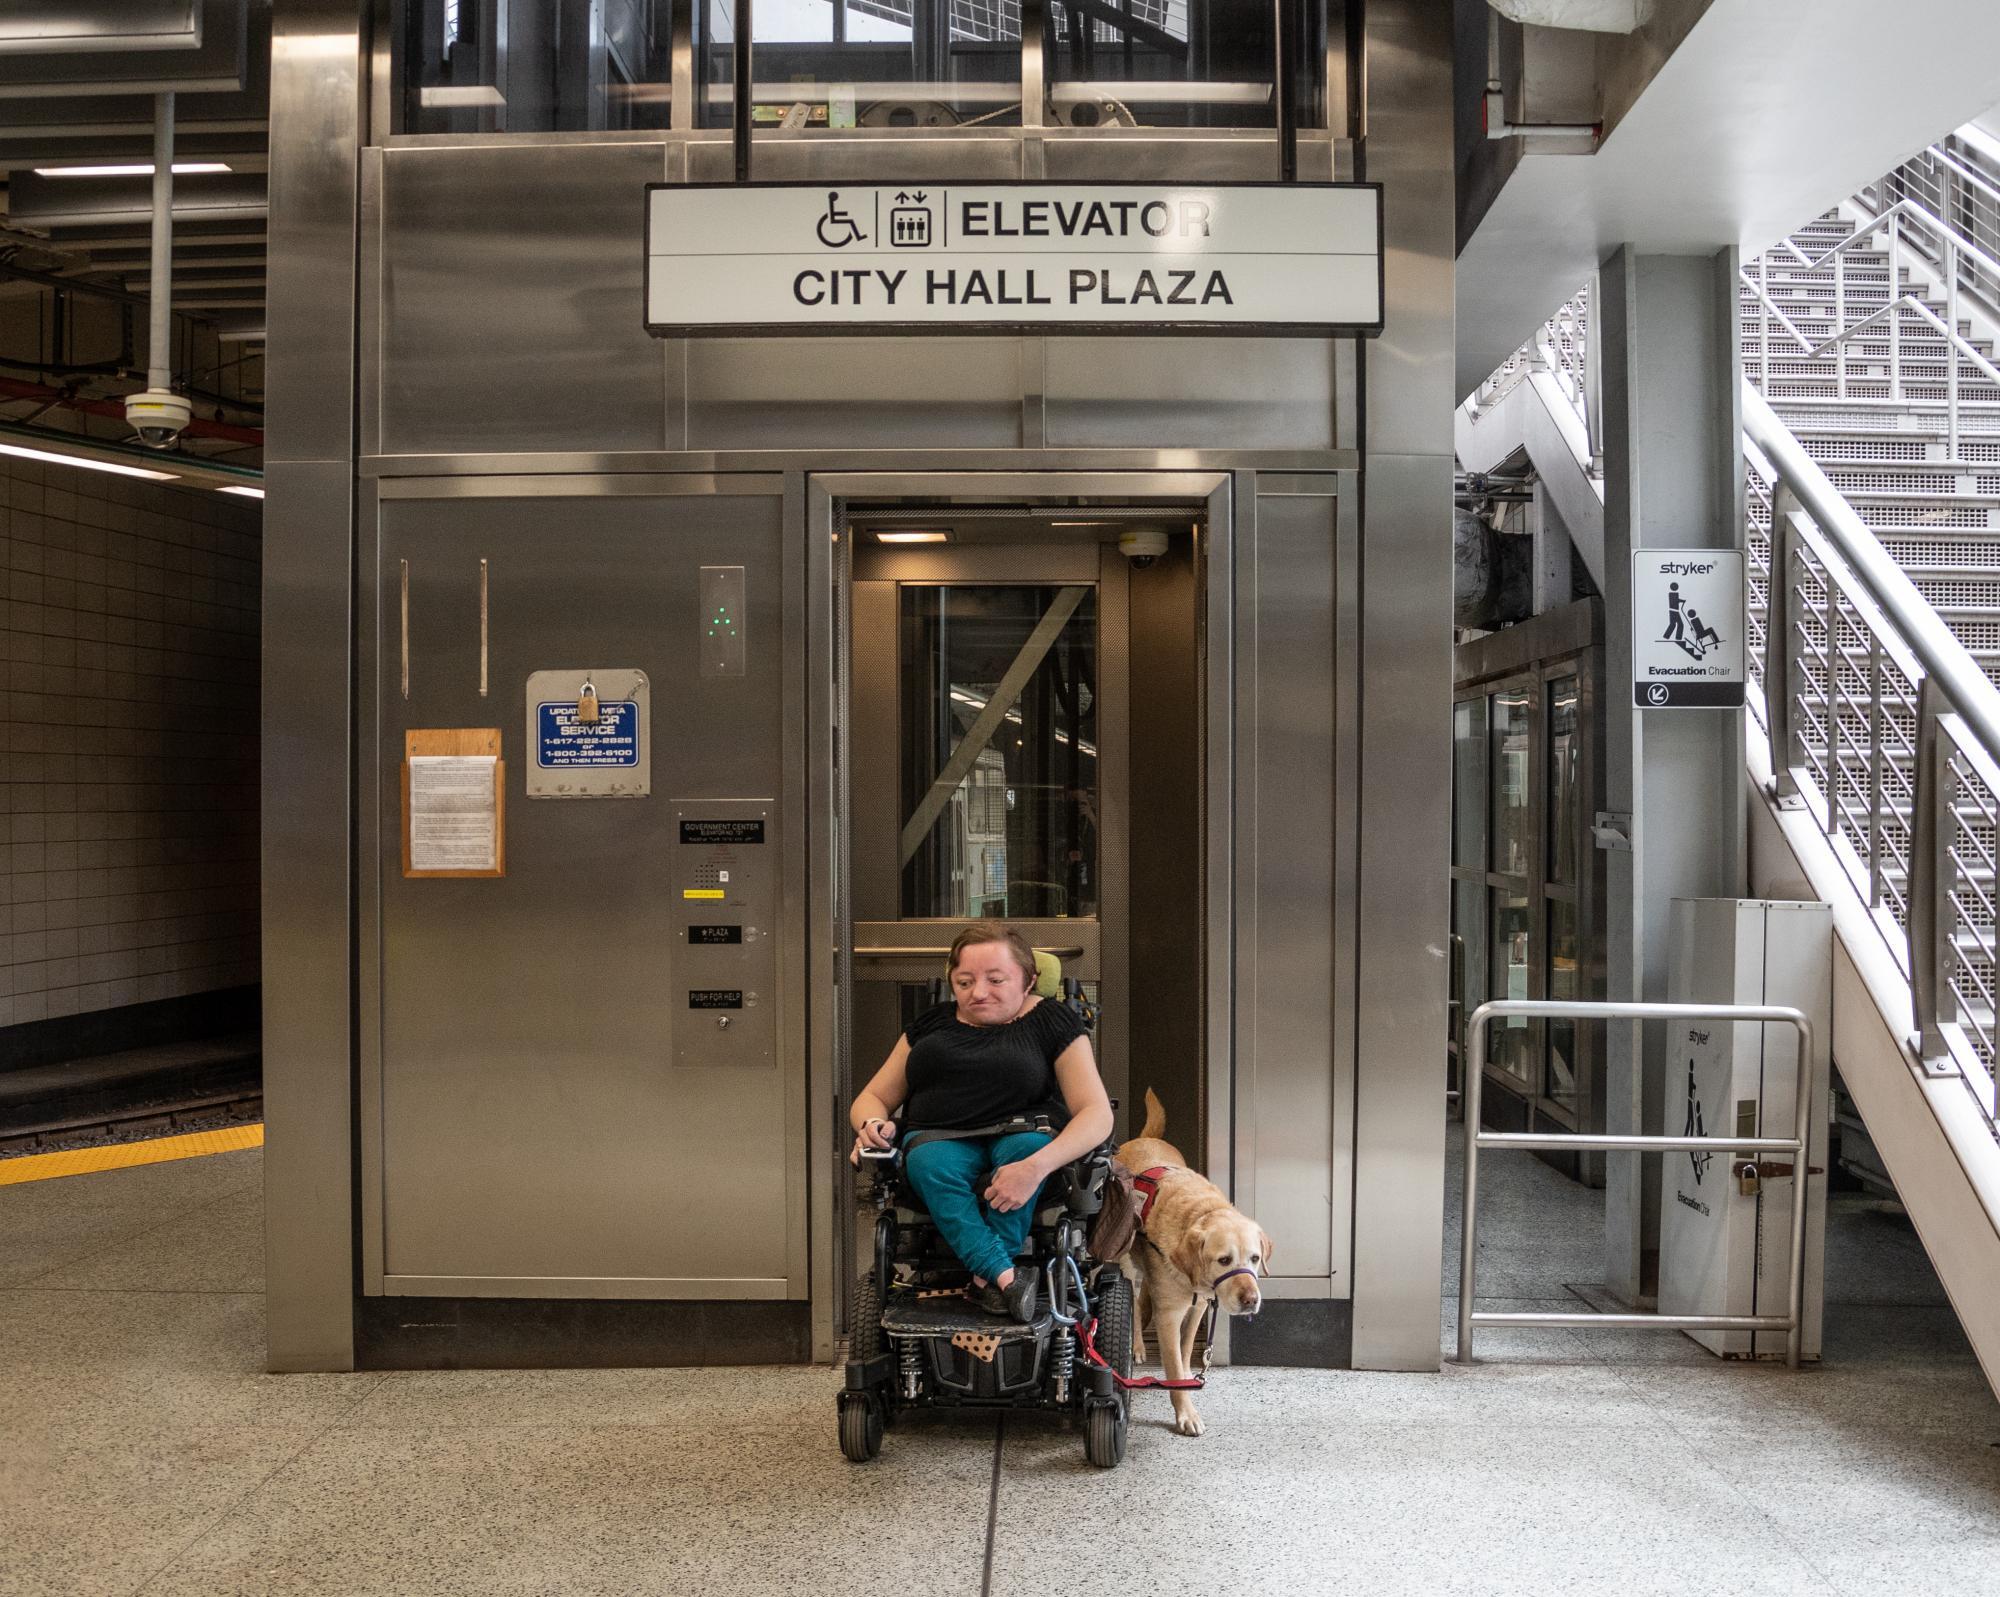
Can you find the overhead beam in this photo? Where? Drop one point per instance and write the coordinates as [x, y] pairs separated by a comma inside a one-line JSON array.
[[74, 27], [244, 151], [74, 202], [218, 64], [187, 230]]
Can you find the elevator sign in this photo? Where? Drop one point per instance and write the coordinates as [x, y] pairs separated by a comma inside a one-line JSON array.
[[1688, 624], [1291, 258]]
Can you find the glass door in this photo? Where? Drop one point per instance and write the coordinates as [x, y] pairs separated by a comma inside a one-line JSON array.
[[977, 790]]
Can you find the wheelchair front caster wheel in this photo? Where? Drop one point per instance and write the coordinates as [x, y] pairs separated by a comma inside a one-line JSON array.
[[860, 1426], [1104, 1434]]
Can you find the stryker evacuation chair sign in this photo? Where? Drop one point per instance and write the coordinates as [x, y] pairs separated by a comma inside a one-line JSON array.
[[1688, 625], [1292, 258]]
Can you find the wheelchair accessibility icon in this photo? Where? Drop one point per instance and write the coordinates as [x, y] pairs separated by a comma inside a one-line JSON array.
[[837, 229]]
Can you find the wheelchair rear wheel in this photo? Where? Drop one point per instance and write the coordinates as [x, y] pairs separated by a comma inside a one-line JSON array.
[[865, 1319]]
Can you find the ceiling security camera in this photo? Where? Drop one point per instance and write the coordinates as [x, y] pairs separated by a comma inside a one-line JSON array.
[[157, 416], [1142, 545]]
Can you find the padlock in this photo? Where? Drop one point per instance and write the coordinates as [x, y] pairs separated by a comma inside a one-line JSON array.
[[586, 704], [1747, 1179]]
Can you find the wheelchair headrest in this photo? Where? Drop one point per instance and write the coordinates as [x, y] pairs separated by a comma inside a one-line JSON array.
[[1048, 975]]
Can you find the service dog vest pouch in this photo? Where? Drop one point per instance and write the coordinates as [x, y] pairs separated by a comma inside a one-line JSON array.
[[1117, 1223]]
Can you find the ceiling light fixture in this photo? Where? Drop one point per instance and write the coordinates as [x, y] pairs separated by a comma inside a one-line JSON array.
[[238, 488], [136, 169], [912, 537], [54, 459], [1082, 523]]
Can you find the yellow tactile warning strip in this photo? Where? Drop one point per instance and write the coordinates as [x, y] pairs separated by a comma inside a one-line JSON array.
[[122, 1155]]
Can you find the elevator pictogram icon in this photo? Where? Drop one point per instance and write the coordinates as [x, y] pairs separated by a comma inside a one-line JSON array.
[[910, 222]]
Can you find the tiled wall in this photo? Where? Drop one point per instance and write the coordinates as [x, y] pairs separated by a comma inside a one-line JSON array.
[[128, 741]]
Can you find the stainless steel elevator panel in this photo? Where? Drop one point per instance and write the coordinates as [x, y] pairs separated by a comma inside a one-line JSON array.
[[561, 1114], [1294, 782], [508, 284]]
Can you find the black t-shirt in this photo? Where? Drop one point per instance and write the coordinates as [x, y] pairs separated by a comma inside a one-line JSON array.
[[964, 1076]]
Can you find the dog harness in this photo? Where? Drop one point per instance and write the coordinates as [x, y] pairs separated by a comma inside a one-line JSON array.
[[1148, 1181]]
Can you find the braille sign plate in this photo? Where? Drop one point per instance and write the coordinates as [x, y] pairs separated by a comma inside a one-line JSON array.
[[1687, 629], [1298, 258]]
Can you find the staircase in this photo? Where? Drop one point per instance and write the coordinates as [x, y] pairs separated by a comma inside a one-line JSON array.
[[1874, 411], [1871, 450]]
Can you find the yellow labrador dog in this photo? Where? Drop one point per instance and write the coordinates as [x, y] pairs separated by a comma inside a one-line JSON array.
[[1193, 1247]]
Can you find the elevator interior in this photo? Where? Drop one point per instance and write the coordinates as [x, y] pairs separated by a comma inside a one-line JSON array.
[[1017, 678], [1017, 674]]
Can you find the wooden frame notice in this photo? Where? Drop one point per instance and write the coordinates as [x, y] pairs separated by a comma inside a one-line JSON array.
[[454, 802]]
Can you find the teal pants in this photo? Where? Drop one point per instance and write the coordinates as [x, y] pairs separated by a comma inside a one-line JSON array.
[[951, 1175]]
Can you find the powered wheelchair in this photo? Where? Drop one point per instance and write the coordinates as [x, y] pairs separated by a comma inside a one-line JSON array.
[[917, 1344]]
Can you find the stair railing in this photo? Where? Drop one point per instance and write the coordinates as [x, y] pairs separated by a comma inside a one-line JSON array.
[[1950, 251], [1562, 347], [1884, 729]]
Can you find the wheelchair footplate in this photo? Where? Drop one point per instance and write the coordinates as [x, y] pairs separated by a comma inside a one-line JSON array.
[[946, 1313]]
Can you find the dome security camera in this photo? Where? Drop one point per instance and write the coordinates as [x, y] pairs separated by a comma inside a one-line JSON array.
[[1142, 545], [157, 416]]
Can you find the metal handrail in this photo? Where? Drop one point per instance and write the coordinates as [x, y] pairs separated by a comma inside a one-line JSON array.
[[1916, 623], [1948, 765], [1792, 1321], [1577, 369]]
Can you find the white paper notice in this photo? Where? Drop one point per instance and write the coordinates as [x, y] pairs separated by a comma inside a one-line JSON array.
[[452, 812]]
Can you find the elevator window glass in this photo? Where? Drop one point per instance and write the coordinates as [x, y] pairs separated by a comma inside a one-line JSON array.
[[1168, 63], [1564, 982], [999, 751], [1508, 967], [1512, 831], [526, 66], [1566, 820], [833, 64], [1468, 783], [1468, 924]]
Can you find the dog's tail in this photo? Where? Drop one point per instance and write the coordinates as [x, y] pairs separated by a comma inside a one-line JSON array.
[[1156, 1116]]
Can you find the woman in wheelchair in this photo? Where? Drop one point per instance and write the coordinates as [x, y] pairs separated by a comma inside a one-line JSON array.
[[993, 1052]]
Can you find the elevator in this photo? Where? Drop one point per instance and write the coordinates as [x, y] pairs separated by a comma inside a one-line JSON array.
[[627, 776]]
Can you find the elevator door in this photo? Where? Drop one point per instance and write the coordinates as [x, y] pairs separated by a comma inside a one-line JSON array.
[[988, 781]]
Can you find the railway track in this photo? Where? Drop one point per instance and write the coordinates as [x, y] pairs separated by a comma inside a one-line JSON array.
[[137, 1124]]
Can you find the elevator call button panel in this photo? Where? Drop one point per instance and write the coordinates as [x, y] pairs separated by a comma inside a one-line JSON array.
[[725, 954], [724, 630]]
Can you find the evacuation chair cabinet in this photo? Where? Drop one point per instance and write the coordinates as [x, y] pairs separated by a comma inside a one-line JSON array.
[[573, 1118], [1725, 1244]]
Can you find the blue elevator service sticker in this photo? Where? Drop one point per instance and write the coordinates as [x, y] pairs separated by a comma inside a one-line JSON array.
[[563, 742]]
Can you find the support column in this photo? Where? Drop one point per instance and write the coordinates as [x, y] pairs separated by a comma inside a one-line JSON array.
[[1405, 697], [1673, 478], [1553, 563], [318, 80]]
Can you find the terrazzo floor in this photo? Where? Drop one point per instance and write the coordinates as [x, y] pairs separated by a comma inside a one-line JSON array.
[[142, 1450]]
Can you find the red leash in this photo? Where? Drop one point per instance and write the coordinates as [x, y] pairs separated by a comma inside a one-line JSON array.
[[1193, 1383]]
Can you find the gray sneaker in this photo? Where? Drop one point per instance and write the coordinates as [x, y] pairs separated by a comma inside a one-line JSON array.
[[1017, 1302]]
